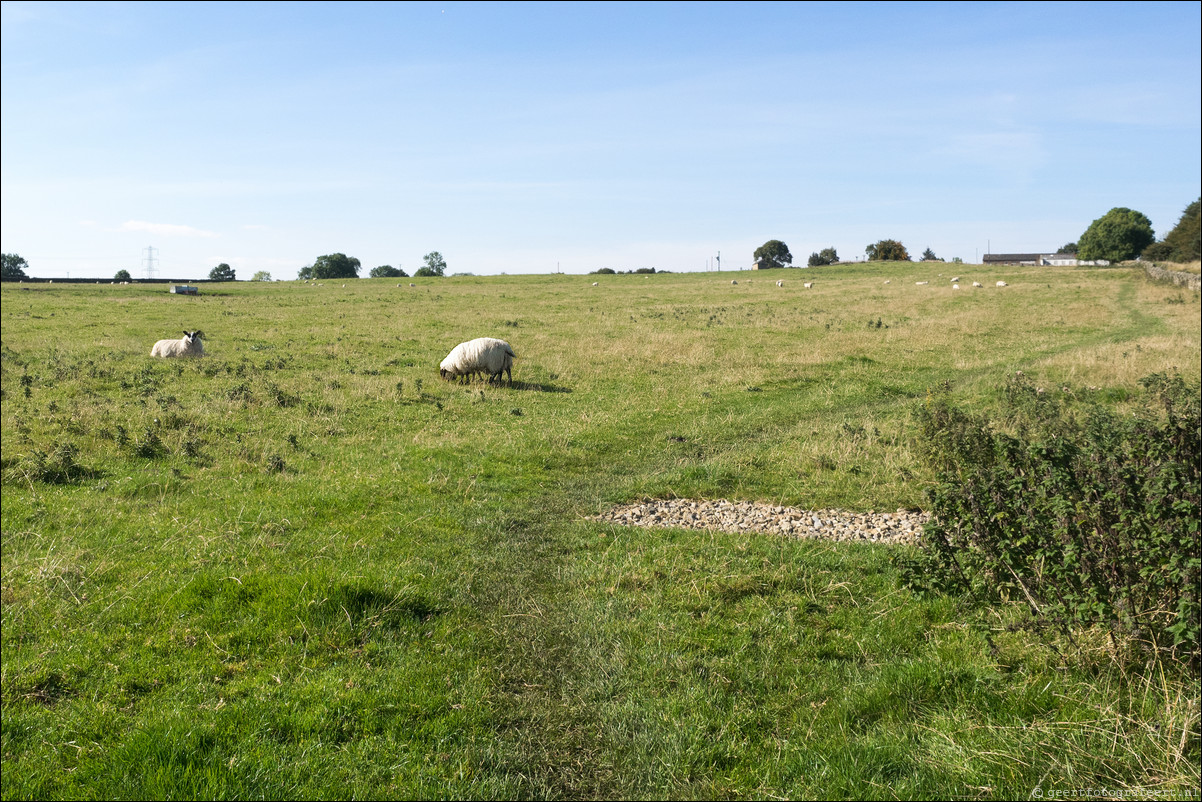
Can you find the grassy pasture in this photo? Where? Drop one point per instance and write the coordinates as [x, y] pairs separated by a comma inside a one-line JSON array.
[[306, 567]]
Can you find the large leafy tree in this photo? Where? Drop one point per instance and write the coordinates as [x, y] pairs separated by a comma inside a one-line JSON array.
[[1183, 243], [435, 265], [261, 275], [222, 272], [14, 267], [887, 250], [826, 256], [1116, 236], [773, 253], [388, 271], [333, 265], [122, 275]]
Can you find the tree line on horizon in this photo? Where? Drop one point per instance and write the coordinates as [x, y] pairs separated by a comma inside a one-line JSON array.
[[1119, 235]]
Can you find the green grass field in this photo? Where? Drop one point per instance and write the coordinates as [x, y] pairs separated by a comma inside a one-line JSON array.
[[304, 566]]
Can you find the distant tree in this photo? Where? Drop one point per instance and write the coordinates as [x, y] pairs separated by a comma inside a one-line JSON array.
[[645, 270], [956, 260], [388, 271], [1185, 236], [14, 267], [606, 271], [333, 265], [887, 250], [1068, 247], [773, 253], [929, 256], [826, 256], [262, 275], [425, 272], [1116, 236], [222, 272], [1183, 243], [436, 264], [123, 275]]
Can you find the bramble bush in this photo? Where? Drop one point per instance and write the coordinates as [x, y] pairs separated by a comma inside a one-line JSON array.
[[1086, 515]]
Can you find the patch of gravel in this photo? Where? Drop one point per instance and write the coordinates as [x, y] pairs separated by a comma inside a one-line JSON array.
[[903, 526]]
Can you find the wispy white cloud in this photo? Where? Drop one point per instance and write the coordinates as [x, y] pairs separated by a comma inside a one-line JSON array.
[[165, 229], [1005, 151]]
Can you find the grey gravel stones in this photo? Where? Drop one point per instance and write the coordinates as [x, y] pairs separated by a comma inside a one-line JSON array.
[[903, 526]]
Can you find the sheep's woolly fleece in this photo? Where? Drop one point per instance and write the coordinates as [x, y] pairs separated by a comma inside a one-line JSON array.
[[188, 345], [903, 526], [483, 354]]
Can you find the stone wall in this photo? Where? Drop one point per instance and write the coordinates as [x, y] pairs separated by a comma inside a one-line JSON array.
[[1188, 280]]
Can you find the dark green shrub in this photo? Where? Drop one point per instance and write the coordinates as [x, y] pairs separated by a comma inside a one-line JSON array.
[[57, 467], [149, 445], [1087, 516]]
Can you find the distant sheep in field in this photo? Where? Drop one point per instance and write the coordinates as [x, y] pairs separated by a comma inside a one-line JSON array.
[[780, 283], [595, 283], [1002, 284], [808, 284], [188, 345], [977, 284], [921, 283], [482, 355], [732, 281], [955, 286]]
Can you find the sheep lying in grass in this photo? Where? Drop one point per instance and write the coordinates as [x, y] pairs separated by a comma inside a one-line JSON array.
[[486, 355], [188, 345]]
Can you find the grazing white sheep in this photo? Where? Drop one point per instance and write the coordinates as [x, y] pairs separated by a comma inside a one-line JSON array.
[[732, 281], [780, 283], [1002, 284], [955, 286], [481, 355], [956, 279], [808, 284], [188, 345], [920, 283], [595, 283], [977, 284], [887, 281]]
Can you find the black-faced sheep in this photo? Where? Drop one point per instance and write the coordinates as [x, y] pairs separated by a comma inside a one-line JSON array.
[[188, 345]]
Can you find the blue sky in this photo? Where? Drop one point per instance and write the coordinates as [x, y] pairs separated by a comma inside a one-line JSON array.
[[525, 138]]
